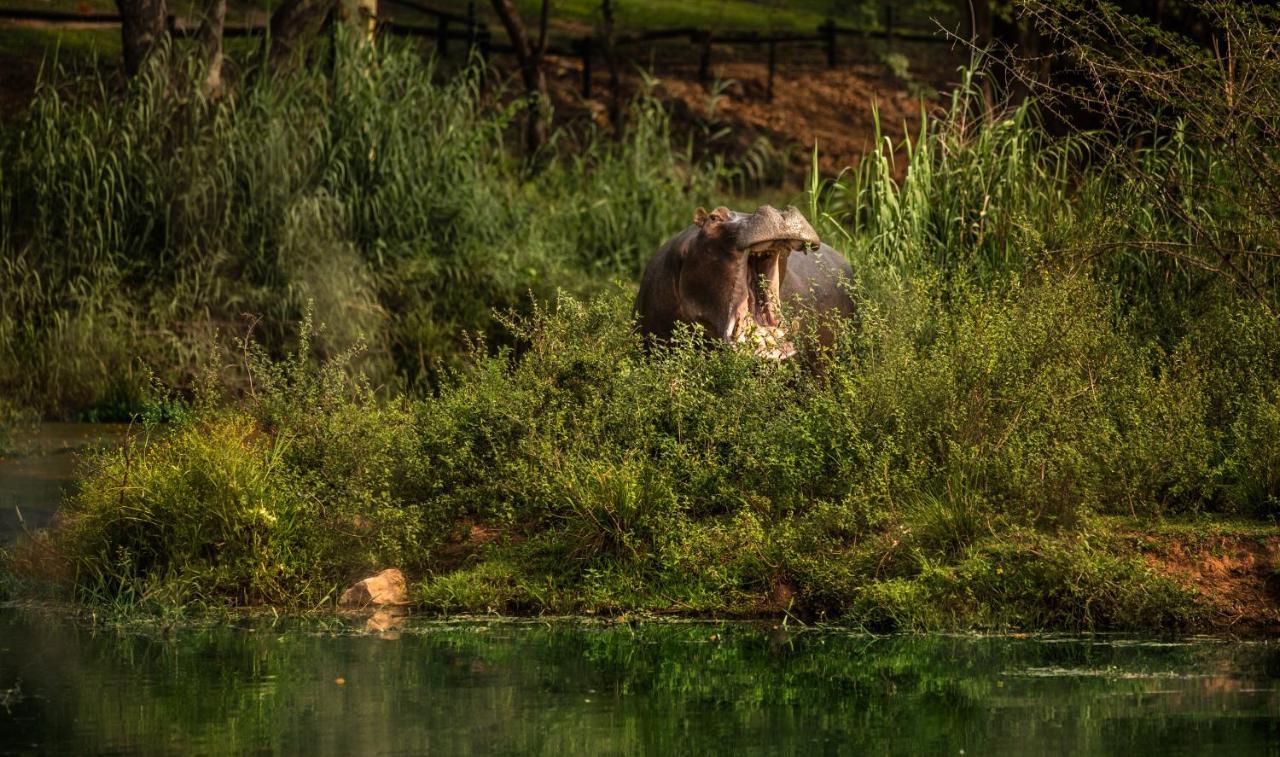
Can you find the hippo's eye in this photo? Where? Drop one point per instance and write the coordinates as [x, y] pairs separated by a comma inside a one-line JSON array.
[[811, 246]]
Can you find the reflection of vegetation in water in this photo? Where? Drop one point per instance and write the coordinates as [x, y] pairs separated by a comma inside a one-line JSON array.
[[8, 414], [13, 418], [665, 688]]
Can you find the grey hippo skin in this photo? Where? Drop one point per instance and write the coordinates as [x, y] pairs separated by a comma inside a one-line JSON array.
[[744, 278]]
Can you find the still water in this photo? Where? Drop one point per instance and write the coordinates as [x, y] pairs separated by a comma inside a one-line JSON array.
[[417, 686], [570, 688], [39, 471]]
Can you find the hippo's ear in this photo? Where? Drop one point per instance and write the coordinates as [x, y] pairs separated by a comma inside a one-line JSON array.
[[718, 216]]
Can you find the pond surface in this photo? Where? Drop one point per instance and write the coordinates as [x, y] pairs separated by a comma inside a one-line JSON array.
[[569, 688], [39, 471], [398, 686]]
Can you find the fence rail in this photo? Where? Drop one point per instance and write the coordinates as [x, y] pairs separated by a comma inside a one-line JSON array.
[[21, 14], [475, 33]]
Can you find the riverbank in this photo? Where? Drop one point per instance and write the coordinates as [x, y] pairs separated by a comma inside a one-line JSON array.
[[1203, 576], [905, 487], [1224, 572]]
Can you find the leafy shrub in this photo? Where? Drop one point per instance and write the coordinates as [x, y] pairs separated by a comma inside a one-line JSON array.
[[936, 427], [947, 432], [280, 500]]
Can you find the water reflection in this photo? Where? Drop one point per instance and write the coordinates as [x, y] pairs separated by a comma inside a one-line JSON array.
[[34, 478], [414, 687]]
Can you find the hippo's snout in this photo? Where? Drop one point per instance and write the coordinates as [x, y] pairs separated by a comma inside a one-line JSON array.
[[772, 230]]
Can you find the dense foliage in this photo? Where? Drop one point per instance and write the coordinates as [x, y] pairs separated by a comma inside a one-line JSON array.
[[141, 232], [1027, 366], [946, 466]]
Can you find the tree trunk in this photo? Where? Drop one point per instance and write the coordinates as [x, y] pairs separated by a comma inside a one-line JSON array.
[[142, 25], [211, 26], [292, 24], [529, 57], [611, 62]]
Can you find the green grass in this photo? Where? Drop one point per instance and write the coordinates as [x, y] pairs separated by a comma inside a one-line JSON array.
[[65, 45], [141, 228], [720, 14], [187, 8], [1197, 526], [945, 470], [1024, 382]]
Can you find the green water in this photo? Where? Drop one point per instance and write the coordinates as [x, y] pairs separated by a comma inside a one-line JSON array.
[[36, 474], [567, 688]]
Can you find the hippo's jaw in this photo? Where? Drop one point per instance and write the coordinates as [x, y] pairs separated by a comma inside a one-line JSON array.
[[761, 325], [729, 270]]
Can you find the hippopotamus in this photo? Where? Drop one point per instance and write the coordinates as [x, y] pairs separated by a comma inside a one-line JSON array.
[[735, 274]]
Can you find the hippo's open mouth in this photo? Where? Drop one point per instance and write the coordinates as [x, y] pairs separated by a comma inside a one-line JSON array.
[[765, 277], [762, 325]]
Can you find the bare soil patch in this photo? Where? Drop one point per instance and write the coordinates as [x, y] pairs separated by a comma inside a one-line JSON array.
[[1238, 577], [833, 108]]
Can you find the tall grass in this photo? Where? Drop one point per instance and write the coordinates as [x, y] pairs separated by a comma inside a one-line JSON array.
[[968, 194], [140, 228], [982, 192]]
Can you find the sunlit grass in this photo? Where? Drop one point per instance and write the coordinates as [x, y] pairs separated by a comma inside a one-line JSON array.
[[148, 225]]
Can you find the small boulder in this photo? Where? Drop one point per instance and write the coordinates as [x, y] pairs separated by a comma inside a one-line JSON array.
[[386, 588]]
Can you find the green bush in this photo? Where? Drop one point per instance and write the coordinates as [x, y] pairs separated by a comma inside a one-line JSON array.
[[946, 434], [282, 499], [936, 428]]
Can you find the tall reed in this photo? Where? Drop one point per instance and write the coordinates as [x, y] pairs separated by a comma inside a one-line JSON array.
[[139, 228]]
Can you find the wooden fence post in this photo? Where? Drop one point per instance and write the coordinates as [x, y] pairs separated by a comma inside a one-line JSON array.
[[888, 22], [473, 38], [828, 30], [611, 63], [773, 65], [704, 60], [442, 35], [584, 49]]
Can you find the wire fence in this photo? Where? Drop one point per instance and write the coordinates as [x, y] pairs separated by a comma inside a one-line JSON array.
[[475, 34]]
